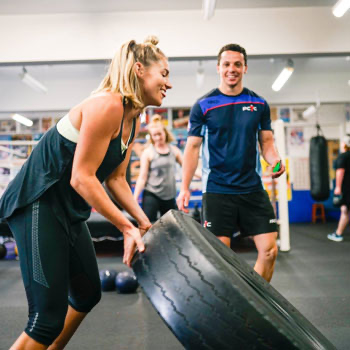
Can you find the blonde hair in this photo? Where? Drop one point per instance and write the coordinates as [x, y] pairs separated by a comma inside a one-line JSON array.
[[122, 78], [156, 121]]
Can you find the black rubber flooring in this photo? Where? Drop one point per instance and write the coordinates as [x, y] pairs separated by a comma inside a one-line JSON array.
[[314, 276]]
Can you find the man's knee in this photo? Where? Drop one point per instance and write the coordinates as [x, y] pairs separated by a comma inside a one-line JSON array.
[[344, 210], [269, 254]]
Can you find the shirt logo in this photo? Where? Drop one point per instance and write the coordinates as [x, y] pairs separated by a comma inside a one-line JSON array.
[[250, 108], [207, 224]]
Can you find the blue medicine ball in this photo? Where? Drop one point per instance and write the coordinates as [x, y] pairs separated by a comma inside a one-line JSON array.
[[107, 278], [126, 282]]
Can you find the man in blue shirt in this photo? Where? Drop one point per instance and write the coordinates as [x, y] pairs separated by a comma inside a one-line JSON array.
[[229, 122]]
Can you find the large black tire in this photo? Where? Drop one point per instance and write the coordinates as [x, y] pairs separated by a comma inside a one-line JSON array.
[[210, 298], [319, 173]]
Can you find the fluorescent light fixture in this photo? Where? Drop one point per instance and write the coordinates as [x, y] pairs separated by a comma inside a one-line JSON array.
[[23, 120], [208, 7], [200, 75], [341, 7], [32, 82], [284, 76], [309, 111]]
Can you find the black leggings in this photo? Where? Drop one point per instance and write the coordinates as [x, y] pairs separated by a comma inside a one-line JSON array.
[[56, 273], [151, 205]]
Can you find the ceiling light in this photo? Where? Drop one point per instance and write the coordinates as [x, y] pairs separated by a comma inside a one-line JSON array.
[[309, 111], [23, 120], [32, 82], [200, 75], [284, 76], [341, 7], [208, 7]]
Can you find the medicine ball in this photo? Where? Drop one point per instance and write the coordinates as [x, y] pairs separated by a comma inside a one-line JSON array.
[[126, 282], [107, 278]]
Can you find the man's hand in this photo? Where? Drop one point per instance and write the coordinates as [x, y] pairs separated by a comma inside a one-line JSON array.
[[337, 191], [281, 170], [183, 200], [132, 238]]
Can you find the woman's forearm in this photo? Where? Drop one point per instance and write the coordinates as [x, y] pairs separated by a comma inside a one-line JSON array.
[[122, 193], [93, 192]]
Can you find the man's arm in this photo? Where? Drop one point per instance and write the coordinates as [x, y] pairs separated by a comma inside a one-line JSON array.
[[339, 177], [269, 151], [189, 166]]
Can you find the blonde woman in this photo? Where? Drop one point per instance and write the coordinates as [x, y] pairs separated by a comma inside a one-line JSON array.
[[48, 202], [157, 171]]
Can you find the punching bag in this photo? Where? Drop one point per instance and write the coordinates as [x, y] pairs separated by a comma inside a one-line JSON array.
[[319, 173]]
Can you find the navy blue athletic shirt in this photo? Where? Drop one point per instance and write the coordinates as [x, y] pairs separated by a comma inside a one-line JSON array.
[[229, 126]]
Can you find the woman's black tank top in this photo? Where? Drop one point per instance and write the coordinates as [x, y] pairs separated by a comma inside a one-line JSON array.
[[50, 167]]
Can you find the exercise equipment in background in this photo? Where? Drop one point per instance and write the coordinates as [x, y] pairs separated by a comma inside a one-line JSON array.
[[8, 246], [282, 186], [126, 282], [319, 172], [107, 278]]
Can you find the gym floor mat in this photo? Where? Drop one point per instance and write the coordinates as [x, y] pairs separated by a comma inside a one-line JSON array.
[[313, 276]]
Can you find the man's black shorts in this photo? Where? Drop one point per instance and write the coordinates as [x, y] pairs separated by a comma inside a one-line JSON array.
[[250, 214], [346, 199]]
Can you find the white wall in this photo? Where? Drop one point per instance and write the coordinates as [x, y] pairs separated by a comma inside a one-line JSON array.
[[182, 33], [69, 84]]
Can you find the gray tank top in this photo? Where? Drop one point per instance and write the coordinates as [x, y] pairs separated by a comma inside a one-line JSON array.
[[161, 175]]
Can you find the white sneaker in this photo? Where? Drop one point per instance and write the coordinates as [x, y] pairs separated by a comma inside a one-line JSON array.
[[335, 237]]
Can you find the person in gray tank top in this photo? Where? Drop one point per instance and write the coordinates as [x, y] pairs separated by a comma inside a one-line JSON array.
[[158, 171]]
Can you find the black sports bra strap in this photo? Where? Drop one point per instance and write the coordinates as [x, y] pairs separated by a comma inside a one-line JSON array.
[[132, 132], [122, 123]]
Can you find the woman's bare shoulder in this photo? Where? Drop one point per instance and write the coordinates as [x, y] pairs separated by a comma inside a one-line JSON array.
[[104, 107], [106, 100]]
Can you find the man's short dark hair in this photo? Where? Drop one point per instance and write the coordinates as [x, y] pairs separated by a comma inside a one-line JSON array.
[[233, 47]]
